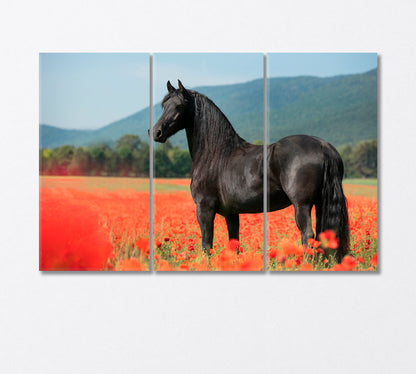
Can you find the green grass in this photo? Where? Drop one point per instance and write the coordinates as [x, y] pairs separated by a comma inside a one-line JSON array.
[[360, 190], [158, 187], [92, 183], [364, 187], [361, 181]]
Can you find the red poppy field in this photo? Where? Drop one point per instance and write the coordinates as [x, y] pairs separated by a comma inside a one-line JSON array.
[[177, 236], [93, 223], [96, 223], [286, 254]]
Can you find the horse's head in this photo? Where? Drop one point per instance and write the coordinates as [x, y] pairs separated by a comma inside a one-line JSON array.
[[176, 106]]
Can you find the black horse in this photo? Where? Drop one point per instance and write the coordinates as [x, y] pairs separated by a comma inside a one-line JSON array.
[[227, 171]]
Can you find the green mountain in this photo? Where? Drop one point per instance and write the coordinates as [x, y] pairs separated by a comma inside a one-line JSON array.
[[137, 123], [340, 109]]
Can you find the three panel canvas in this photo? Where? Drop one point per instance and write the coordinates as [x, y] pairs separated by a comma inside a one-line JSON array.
[[240, 145]]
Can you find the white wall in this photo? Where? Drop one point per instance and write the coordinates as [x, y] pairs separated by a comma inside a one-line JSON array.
[[206, 323]]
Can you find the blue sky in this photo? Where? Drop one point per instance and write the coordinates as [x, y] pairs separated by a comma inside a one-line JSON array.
[[91, 90], [204, 69], [319, 64]]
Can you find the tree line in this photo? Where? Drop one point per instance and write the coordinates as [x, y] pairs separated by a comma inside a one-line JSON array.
[[130, 158], [360, 161]]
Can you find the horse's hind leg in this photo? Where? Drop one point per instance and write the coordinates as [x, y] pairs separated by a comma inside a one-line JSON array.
[[304, 222], [233, 225]]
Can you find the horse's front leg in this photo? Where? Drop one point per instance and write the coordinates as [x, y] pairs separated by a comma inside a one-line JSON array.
[[233, 225], [206, 214]]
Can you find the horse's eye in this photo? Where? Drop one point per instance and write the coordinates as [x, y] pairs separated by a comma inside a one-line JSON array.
[[180, 107]]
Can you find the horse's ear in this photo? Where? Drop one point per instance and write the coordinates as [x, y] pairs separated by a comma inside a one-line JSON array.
[[170, 87], [181, 87]]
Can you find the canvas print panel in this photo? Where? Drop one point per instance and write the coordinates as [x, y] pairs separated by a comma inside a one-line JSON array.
[[206, 105], [322, 111], [94, 162]]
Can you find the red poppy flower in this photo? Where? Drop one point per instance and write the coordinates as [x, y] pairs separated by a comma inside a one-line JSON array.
[[349, 262], [373, 260]]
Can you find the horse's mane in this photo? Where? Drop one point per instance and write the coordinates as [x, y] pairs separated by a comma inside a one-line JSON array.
[[213, 138]]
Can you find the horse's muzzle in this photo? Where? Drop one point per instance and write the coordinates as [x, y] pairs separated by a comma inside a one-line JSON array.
[[158, 136]]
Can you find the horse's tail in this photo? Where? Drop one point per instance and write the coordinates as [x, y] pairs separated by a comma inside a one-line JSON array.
[[334, 205]]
